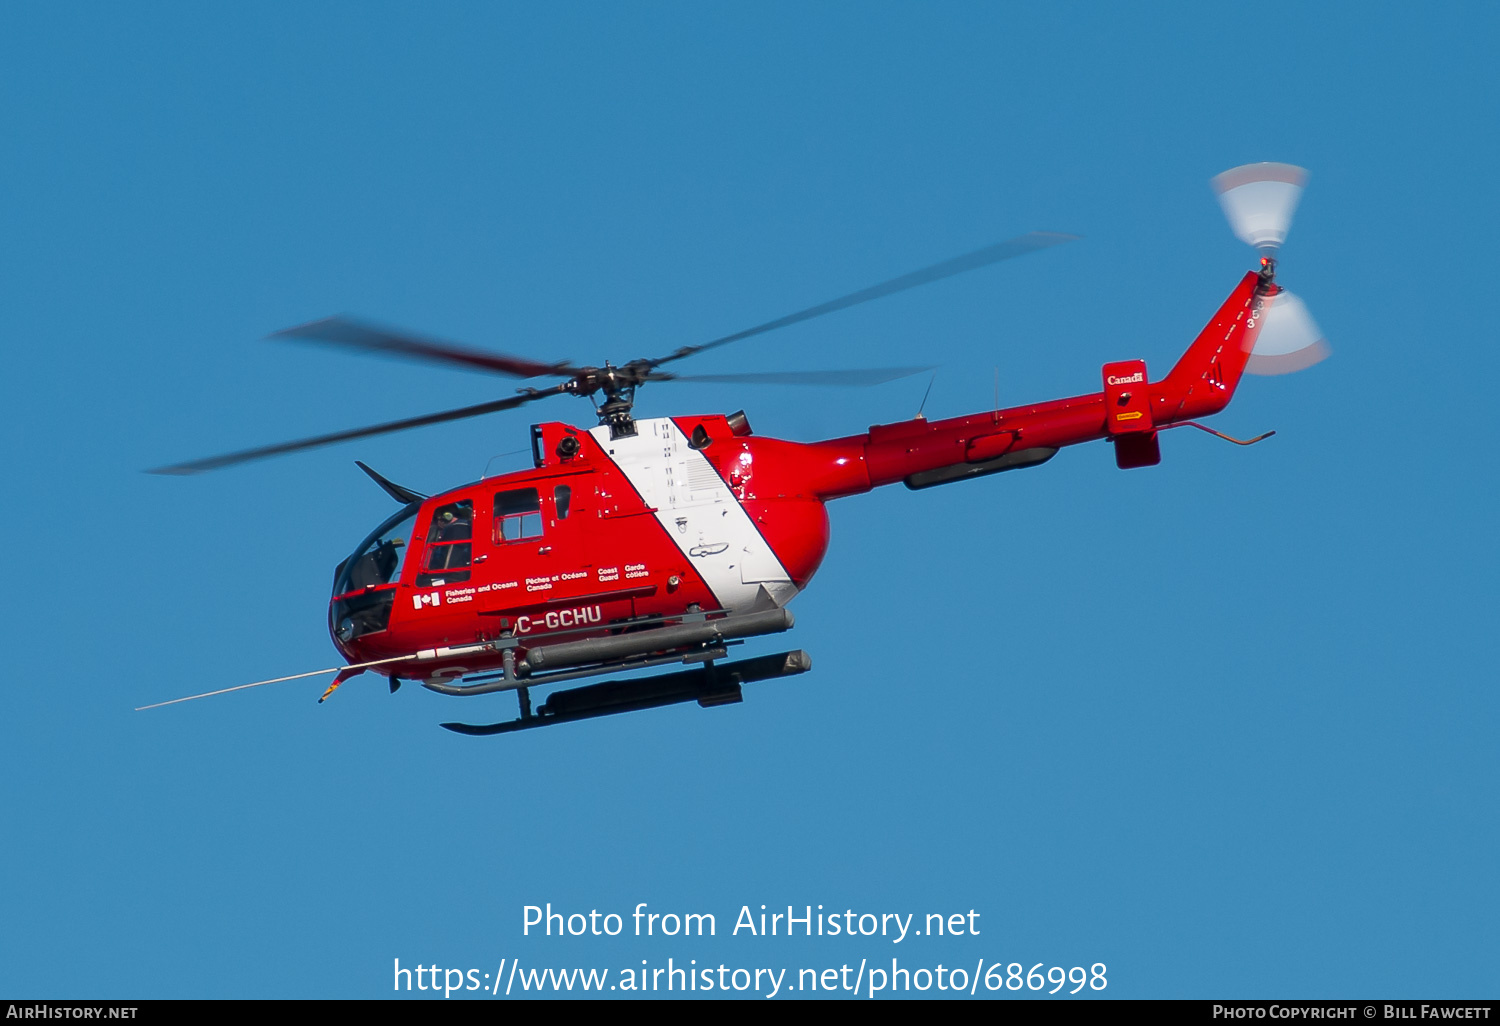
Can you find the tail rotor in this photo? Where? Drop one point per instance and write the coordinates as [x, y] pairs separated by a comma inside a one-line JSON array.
[[1259, 201]]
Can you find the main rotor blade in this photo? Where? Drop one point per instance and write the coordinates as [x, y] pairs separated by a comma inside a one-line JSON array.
[[854, 378], [948, 268], [245, 456], [341, 331]]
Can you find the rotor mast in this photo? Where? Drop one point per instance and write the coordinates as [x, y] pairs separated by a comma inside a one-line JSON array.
[[618, 385]]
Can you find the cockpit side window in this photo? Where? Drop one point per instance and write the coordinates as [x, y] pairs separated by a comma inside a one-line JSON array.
[[453, 522], [449, 545], [518, 515]]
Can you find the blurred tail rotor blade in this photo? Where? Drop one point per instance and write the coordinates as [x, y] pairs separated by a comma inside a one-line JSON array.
[[1259, 200], [1289, 339]]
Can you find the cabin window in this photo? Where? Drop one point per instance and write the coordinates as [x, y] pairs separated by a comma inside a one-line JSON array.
[[561, 496], [518, 515], [450, 545]]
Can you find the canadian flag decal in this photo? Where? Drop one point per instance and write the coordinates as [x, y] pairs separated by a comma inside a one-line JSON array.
[[418, 601]]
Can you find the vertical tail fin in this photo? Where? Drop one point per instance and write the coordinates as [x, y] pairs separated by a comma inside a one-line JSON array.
[[1204, 380]]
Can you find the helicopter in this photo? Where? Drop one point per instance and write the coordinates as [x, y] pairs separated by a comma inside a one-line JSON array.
[[648, 543]]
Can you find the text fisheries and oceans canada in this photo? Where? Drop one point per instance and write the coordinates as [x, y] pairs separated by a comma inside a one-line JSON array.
[[764, 921]]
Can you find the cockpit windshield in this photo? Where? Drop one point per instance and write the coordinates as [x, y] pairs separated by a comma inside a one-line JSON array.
[[361, 605], [378, 559]]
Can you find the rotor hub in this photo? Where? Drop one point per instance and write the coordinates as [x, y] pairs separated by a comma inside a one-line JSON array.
[[1267, 275]]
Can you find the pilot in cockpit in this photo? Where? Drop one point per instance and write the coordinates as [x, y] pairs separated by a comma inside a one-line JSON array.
[[454, 523]]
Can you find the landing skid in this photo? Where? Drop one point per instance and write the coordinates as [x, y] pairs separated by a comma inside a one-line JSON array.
[[709, 685]]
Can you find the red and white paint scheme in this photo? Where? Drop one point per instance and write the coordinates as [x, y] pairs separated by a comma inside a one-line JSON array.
[[640, 543], [696, 514]]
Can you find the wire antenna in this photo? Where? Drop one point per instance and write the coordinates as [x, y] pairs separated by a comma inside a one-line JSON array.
[[925, 394], [498, 456]]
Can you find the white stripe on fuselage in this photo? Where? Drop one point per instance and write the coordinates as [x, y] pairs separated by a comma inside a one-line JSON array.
[[700, 514]]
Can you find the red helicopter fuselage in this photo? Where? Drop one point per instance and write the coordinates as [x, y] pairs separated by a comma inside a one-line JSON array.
[[696, 518]]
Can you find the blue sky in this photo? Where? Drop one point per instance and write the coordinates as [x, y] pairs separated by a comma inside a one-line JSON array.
[[1225, 725]]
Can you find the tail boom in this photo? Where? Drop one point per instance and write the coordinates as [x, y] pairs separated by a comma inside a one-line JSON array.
[[1201, 384]]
